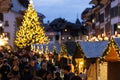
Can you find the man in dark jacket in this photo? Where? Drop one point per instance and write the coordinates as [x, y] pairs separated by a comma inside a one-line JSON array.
[[67, 73], [4, 70]]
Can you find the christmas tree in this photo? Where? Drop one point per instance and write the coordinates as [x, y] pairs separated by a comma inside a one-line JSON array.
[[78, 52], [54, 50], [47, 50], [63, 51], [31, 31]]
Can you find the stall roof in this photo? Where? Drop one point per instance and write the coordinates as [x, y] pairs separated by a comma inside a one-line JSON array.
[[117, 41], [93, 49]]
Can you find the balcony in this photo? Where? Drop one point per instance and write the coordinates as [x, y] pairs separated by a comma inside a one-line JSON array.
[[104, 2], [95, 2], [86, 13], [96, 8]]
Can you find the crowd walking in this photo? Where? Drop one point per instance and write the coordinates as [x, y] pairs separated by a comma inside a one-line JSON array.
[[24, 66]]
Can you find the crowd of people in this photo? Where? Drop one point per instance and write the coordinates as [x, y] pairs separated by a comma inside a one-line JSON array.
[[25, 65]]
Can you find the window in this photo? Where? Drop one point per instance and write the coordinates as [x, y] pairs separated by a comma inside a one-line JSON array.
[[69, 38], [56, 37], [107, 10], [63, 38], [119, 10], [97, 16], [114, 11], [6, 24], [65, 30], [1, 16], [115, 27], [19, 21], [102, 18]]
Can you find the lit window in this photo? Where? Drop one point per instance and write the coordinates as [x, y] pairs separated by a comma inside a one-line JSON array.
[[63, 38], [6, 23], [1, 24], [93, 20], [65, 30], [118, 26], [69, 37]]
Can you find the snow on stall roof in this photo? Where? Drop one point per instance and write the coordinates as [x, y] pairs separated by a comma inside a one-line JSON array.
[[93, 49], [117, 41]]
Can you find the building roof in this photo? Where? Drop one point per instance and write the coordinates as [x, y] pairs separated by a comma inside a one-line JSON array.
[[117, 41], [93, 49], [60, 24], [89, 49], [48, 28], [24, 3], [41, 15], [93, 2], [78, 52], [73, 25], [111, 52], [50, 47], [86, 13], [96, 49], [78, 21], [17, 6]]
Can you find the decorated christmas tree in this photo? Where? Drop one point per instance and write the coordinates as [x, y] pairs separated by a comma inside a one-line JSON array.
[[78, 52], [31, 31], [63, 51], [111, 52], [54, 50], [47, 50]]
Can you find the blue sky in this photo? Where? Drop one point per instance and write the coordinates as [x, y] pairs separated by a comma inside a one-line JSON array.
[[68, 9]]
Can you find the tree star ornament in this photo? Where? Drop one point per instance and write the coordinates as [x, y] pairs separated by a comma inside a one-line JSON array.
[[30, 1]]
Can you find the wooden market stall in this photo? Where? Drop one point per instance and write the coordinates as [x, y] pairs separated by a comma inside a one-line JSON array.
[[111, 61], [78, 58], [92, 51], [102, 59]]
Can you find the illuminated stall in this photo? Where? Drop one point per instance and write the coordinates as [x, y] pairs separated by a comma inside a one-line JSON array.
[[110, 61], [78, 57]]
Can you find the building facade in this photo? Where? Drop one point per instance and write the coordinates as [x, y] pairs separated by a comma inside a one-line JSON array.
[[103, 18], [62, 31], [12, 18]]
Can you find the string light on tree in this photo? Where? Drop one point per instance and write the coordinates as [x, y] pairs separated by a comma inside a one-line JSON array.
[[111, 52], [63, 51], [31, 31], [30, 1]]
